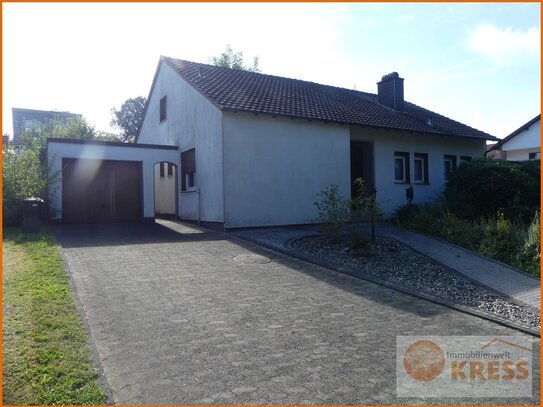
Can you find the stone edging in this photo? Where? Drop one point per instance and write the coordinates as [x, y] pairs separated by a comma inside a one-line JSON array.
[[469, 278], [289, 251]]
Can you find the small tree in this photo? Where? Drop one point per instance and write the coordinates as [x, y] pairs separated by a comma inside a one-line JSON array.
[[333, 211], [234, 60]]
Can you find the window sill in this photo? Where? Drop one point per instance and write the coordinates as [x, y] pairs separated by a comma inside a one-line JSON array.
[[422, 183], [162, 121], [188, 190], [402, 182]]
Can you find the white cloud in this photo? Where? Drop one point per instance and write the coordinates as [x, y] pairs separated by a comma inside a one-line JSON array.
[[504, 45]]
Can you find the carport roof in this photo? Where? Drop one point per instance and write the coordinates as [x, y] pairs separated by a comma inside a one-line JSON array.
[[243, 91], [110, 143]]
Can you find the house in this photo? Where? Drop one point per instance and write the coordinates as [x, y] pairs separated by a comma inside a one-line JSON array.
[[30, 119], [249, 150], [521, 145]]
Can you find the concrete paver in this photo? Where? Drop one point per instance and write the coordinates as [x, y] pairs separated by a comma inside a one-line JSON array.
[[175, 320]]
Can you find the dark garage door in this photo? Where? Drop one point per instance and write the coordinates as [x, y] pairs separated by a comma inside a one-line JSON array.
[[101, 191]]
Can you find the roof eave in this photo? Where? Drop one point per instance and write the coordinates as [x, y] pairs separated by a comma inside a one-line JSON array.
[[314, 119]]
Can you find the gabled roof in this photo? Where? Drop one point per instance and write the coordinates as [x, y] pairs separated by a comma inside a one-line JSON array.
[[236, 90], [525, 126]]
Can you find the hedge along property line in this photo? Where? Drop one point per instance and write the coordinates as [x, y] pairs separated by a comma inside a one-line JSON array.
[[46, 356]]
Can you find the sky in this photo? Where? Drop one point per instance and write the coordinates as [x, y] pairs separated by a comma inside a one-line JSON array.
[[477, 63]]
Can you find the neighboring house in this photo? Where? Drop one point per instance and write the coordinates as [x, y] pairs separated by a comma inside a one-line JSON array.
[[251, 150], [29, 119], [521, 145]]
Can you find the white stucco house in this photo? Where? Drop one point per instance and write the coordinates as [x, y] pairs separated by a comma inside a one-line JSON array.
[[250, 150], [521, 145]]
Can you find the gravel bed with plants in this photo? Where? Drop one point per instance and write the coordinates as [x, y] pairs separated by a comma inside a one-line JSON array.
[[389, 260]]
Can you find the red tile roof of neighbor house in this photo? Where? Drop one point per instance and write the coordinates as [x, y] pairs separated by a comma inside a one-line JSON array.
[[242, 91]]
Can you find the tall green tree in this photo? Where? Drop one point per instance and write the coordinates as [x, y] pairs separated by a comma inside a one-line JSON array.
[[231, 59], [129, 118]]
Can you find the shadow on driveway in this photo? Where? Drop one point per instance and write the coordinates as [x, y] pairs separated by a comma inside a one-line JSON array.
[[121, 234]]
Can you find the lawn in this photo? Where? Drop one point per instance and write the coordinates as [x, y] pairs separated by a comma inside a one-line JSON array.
[[46, 356]]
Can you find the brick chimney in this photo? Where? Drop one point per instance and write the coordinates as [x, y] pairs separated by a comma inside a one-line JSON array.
[[390, 91]]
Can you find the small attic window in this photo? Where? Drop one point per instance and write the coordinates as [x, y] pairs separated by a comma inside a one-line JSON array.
[[162, 114]]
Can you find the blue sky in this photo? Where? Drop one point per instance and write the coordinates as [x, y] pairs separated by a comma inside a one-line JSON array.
[[476, 63]]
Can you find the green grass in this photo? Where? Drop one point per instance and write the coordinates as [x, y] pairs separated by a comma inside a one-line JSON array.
[[46, 357]]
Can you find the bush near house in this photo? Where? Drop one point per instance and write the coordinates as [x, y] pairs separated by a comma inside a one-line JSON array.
[[333, 211]]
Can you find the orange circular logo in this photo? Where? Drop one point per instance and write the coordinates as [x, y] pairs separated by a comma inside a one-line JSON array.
[[424, 361]]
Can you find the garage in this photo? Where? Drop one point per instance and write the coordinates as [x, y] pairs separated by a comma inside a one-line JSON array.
[[97, 191], [102, 182]]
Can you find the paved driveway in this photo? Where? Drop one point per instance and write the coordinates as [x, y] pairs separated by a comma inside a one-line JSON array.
[[175, 320]]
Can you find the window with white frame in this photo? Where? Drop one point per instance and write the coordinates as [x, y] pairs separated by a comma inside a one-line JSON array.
[[449, 164], [420, 163], [401, 167]]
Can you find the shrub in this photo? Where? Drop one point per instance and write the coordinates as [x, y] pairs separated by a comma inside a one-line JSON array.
[[483, 187], [502, 240], [333, 211], [529, 258], [24, 174], [425, 218], [462, 232], [508, 240]]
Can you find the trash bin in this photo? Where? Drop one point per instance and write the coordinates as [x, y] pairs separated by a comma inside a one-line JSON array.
[[32, 212]]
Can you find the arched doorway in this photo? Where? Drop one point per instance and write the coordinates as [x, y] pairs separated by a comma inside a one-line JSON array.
[[165, 190]]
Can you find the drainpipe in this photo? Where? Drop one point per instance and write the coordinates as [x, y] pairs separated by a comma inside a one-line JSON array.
[[198, 192]]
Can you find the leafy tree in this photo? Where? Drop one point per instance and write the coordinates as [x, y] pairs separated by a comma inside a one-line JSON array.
[[74, 128], [105, 136], [25, 172], [231, 59], [129, 118]]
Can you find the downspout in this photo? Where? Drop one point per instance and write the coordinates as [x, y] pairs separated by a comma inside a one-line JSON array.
[[198, 192]]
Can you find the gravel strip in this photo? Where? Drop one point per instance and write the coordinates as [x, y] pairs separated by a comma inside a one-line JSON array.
[[391, 261]]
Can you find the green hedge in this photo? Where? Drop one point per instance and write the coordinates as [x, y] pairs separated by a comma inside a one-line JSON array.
[[483, 187]]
